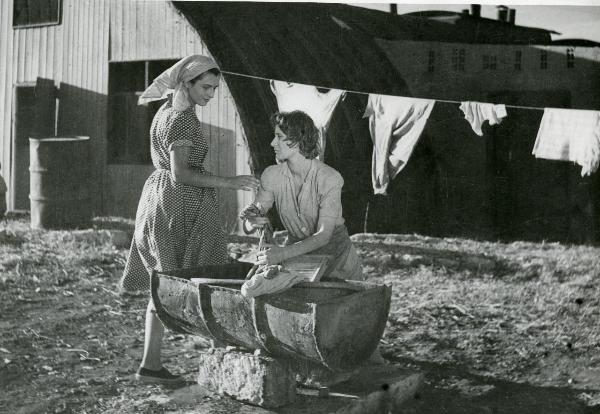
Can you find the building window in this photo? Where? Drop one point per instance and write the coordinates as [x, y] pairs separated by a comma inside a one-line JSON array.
[[34, 13], [128, 122], [490, 62], [518, 59], [431, 61], [543, 59], [570, 58], [458, 60]]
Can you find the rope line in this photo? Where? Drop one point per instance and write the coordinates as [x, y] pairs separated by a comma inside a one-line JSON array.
[[369, 93]]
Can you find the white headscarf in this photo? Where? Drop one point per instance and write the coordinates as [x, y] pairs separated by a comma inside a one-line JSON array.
[[172, 80]]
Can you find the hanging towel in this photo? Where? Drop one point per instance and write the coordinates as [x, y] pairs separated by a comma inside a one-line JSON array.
[[477, 113], [306, 98], [570, 135], [396, 124]]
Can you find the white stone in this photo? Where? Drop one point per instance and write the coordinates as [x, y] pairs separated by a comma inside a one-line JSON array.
[[256, 379]]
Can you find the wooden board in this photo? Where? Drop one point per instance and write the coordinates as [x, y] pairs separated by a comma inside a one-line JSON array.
[[309, 285], [310, 266]]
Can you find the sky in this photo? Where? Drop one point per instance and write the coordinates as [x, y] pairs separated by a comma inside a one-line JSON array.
[[573, 19]]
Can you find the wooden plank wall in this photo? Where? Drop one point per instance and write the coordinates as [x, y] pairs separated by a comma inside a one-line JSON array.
[[75, 55], [6, 81], [164, 34]]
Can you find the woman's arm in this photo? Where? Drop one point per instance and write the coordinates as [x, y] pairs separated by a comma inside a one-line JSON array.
[[182, 173], [330, 210], [277, 254], [263, 202]]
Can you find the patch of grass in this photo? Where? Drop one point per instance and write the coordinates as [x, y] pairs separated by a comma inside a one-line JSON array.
[[500, 320], [524, 312]]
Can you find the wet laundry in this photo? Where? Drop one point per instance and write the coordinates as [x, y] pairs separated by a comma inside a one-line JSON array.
[[396, 124], [570, 135], [476, 113]]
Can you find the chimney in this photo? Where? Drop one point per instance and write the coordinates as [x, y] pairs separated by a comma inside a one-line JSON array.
[[464, 12], [393, 8], [512, 14], [476, 10], [502, 13]]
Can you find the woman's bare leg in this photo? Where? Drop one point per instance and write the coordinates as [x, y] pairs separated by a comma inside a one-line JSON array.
[[152, 340]]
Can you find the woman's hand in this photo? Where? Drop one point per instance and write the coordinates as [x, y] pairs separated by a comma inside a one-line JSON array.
[[272, 256], [244, 182], [258, 222]]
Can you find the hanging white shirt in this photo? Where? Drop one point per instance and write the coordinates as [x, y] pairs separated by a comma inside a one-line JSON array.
[[396, 124], [570, 135], [476, 113], [307, 98]]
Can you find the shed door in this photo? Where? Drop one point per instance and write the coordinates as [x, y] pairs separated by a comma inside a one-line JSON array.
[[34, 116]]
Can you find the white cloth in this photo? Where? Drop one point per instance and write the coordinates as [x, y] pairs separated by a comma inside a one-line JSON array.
[[570, 135], [396, 124], [477, 113], [270, 279], [172, 79], [306, 98]]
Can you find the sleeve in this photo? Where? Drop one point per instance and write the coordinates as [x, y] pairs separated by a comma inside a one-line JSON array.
[[180, 132], [266, 191], [3, 188], [330, 199]]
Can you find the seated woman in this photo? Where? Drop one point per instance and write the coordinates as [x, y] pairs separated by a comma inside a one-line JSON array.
[[307, 194], [308, 197]]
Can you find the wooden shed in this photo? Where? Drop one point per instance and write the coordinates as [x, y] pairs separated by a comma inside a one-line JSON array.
[[76, 67]]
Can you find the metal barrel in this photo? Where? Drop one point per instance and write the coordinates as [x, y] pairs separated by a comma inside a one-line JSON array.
[[60, 195]]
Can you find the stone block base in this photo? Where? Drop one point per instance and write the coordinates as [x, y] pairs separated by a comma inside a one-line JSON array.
[[251, 378]]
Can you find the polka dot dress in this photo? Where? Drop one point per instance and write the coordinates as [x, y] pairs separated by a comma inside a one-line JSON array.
[[176, 226]]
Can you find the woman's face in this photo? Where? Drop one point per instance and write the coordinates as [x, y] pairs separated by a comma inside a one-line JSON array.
[[203, 89], [281, 145]]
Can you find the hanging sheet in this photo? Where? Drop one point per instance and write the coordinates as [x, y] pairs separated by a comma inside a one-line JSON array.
[[570, 135], [396, 124]]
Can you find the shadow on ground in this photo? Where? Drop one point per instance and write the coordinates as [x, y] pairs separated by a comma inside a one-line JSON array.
[[448, 390], [385, 257]]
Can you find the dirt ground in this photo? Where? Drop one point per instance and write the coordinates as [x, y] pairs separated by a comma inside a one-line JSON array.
[[495, 328]]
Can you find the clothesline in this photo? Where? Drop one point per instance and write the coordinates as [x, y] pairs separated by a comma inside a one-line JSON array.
[[568, 135], [369, 93]]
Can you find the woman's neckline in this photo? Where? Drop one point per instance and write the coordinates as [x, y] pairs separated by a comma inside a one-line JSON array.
[[303, 174]]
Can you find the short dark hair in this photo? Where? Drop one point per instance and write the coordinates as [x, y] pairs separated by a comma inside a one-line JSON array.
[[214, 71], [300, 130]]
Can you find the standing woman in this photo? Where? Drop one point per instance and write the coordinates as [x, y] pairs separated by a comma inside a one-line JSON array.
[[177, 223]]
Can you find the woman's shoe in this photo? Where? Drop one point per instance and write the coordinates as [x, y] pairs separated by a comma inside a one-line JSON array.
[[162, 376]]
